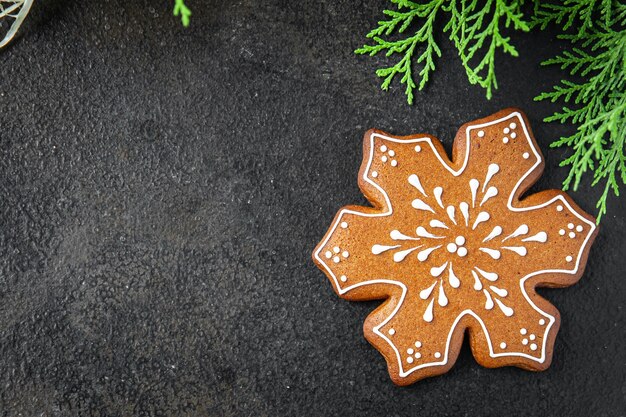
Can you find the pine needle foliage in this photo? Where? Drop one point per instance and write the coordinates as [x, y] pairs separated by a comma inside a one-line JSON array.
[[477, 29], [596, 101]]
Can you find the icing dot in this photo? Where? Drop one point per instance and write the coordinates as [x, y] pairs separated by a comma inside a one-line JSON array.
[[572, 235], [513, 135], [410, 351], [505, 140], [344, 225], [506, 130], [533, 347], [460, 240], [542, 322], [336, 259], [437, 355], [345, 254], [523, 331], [502, 345], [462, 251], [559, 208], [481, 133], [418, 344], [409, 359], [525, 155], [392, 331], [525, 342], [329, 254], [336, 249], [570, 226], [418, 148], [391, 153], [374, 174], [568, 258], [579, 228], [417, 355], [384, 159], [383, 148], [562, 232], [532, 337], [512, 125], [451, 247], [343, 278], [394, 163]]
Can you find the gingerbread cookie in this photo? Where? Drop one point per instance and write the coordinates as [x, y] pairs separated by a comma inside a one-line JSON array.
[[452, 246]]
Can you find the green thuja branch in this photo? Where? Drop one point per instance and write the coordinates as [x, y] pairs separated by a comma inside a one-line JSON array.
[[597, 104], [180, 9], [475, 27]]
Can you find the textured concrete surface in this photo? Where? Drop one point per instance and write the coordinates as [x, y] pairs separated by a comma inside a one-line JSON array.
[[161, 190]]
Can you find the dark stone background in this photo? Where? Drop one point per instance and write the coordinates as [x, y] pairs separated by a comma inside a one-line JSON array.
[[162, 189]]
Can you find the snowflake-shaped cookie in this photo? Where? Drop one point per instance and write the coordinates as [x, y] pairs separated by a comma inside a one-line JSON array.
[[451, 246]]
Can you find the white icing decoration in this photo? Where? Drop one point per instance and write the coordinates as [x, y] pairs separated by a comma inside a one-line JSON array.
[[423, 255], [400, 255], [502, 345], [374, 174], [438, 191], [453, 279], [477, 284], [532, 337], [410, 351], [343, 278], [506, 130], [437, 355], [491, 192], [508, 311], [541, 237], [397, 235], [483, 216], [428, 314], [572, 235], [513, 135], [461, 252], [426, 141], [491, 276], [491, 252], [562, 232], [435, 271], [520, 250], [481, 133], [418, 148], [500, 291], [559, 208], [383, 148], [473, 183], [570, 226], [505, 140], [488, 302], [336, 259], [336, 249], [450, 211], [497, 231], [394, 163], [414, 180], [513, 125], [523, 331], [579, 228], [417, 355], [439, 224], [568, 258], [345, 254], [344, 225], [442, 300], [460, 240], [384, 158], [425, 293], [451, 247], [524, 341], [542, 322], [533, 346], [391, 153], [492, 170], [525, 155], [420, 205], [329, 254], [409, 360], [392, 332], [418, 344], [422, 232], [521, 230], [465, 211], [378, 249]]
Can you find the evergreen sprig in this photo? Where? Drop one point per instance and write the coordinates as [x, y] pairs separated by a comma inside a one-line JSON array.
[[181, 9], [596, 104], [476, 29]]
